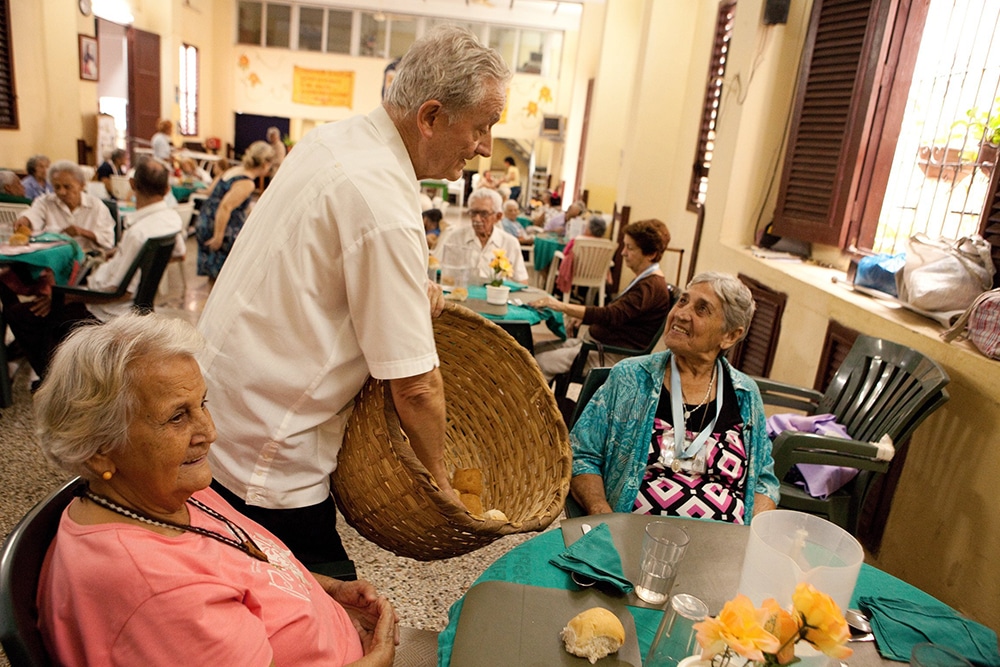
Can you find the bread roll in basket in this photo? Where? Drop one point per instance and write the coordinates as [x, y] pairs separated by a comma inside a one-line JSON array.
[[502, 419]]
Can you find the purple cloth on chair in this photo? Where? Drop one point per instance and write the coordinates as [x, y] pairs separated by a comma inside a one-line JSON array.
[[820, 480]]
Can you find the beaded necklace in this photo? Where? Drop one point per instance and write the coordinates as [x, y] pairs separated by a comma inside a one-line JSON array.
[[242, 541]]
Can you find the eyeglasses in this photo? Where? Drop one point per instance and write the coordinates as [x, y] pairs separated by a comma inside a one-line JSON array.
[[475, 213]]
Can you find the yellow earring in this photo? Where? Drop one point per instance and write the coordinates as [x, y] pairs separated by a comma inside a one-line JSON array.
[[107, 475]]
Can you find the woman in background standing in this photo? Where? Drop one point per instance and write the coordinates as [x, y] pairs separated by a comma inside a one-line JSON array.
[[225, 210]]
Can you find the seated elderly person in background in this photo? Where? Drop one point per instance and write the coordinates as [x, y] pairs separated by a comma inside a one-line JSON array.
[[631, 320], [432, 226], [113, 166], [557, 223], [191, 173], [512, 225], [483, 237], [36, 182], [680, 433], [150, 566], [71, 211], [11, 188], [40, 325], [596, 226]]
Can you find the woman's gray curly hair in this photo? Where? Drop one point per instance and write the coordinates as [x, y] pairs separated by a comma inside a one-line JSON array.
[[737, 302], [89, 396]]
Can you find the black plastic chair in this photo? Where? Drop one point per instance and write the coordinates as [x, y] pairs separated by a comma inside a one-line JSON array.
[[20, 568], [520, 330], [152, 262], [6, 396], [596, 378], [577, 371], [881, 388]]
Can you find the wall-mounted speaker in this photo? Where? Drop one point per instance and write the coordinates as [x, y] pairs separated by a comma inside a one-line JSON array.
[[776, 11]]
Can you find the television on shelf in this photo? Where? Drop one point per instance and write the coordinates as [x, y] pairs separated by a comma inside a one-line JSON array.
[[553, 127]]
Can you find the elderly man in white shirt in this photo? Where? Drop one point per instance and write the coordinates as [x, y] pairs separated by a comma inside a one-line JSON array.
[[41, 324], [71, 211], [483, 237], [152, 218], [327, 285]]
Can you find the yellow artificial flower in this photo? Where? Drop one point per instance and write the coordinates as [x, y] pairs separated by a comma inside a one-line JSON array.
[[825, 627], [739, 626], [785, 627]]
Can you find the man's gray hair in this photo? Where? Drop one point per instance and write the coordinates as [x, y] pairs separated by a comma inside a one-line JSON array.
[[90, 393], [487, 193], [448, 65], [65, 166], [597, 226], [6, 178], [737, 302]]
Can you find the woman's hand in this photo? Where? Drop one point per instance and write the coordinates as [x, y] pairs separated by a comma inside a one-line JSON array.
[[379, 642], [215, 243], [546, 302], [41, 306]]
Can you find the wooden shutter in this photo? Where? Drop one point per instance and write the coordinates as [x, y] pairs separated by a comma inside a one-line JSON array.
[[841, 66], [710, 105], [839, 341], [754, 355], [989, 222], [8, 93]]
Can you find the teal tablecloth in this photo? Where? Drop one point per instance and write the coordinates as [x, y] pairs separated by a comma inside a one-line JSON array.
[[553, 320], [528, 564], [63, 259], [545, 249]]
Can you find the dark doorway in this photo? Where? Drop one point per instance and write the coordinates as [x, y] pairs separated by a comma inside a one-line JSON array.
[[250, 128]]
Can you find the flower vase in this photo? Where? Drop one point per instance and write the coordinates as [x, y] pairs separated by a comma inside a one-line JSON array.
[[694, 661], [497, 295]]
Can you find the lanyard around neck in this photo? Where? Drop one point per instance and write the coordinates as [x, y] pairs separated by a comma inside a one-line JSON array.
[[677, 413]]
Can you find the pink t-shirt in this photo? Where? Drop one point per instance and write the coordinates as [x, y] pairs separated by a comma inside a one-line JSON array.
[[119, 594]]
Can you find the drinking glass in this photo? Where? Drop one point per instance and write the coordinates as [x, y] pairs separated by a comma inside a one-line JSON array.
[[934, 655], [663, 546], [675, 638]]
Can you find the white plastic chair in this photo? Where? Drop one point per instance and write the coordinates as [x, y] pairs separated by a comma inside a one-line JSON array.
[[591, 260]]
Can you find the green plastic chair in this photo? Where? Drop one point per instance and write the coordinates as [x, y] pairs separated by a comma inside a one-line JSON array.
[[881, 388]]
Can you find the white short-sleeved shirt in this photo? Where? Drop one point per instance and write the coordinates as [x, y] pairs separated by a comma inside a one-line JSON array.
[[146, 223], [49, 214], [325, 285], [465, 236]]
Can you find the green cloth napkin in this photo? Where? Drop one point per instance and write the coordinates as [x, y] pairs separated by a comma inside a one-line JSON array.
[[514, 287], [594, 555], [900, 624]]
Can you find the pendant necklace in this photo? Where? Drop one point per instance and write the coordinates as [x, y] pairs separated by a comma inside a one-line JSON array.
[[688, 410], [242, 540]]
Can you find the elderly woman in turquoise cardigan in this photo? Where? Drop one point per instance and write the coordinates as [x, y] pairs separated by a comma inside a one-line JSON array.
[[680, 433]]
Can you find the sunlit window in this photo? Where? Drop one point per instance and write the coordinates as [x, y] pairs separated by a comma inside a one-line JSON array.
[[338, 31], [311, 28], [947, 146], [188, 90], [249, 17], [279, 25]]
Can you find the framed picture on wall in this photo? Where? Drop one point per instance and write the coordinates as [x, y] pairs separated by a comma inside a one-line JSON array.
[[88, 58]]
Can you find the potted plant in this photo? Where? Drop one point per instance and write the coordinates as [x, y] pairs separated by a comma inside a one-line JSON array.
[[496, 291], [981, 130]]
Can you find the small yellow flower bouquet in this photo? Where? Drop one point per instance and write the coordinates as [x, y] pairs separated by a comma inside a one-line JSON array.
[[767, 636], [501, 267]]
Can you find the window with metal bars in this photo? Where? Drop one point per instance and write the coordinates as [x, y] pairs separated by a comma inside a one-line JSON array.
[[8, 94], [896, 120], [710, 106], [188, 91]]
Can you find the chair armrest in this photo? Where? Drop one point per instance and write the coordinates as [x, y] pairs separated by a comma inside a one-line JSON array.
[[613, 349], [86, 295], [791, 447], [788, 395]]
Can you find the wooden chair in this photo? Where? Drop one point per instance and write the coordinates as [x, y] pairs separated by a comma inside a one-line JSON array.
[[20, 569], [881, 388], [151, 261]]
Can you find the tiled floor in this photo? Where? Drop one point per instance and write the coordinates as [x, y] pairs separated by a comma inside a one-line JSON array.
[[421, 592]]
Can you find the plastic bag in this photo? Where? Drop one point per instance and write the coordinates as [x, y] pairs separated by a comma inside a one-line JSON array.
[[878, 272], [944, 275], [980, 323]]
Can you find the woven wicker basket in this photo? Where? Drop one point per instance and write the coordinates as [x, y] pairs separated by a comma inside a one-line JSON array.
[[502, 419]]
